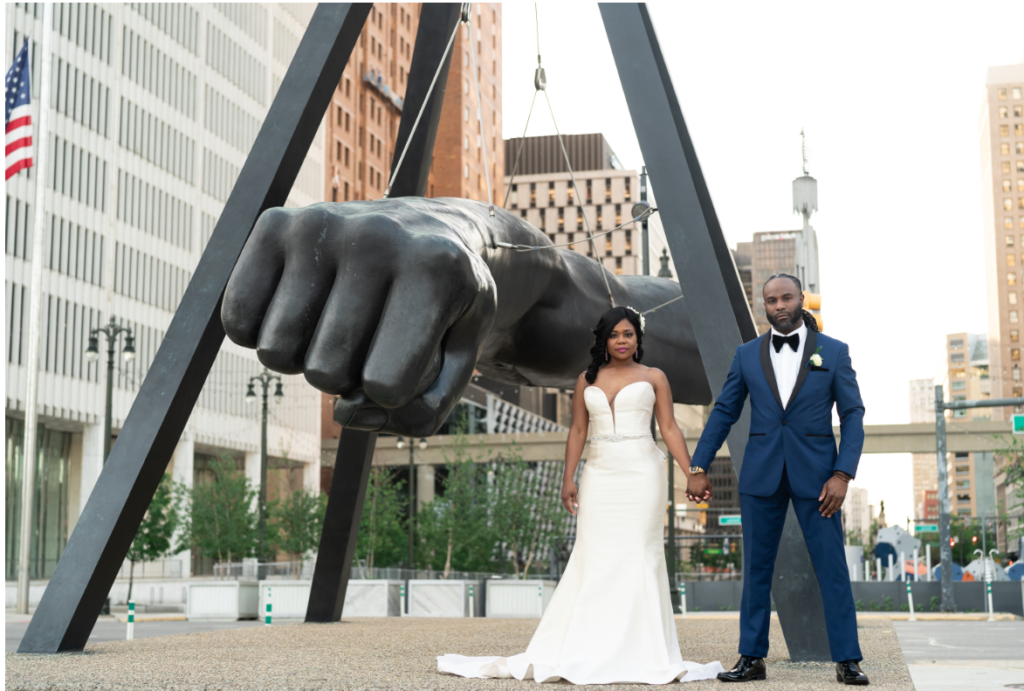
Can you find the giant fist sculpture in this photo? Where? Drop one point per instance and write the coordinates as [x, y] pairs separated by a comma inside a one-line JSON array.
[[391, 304]]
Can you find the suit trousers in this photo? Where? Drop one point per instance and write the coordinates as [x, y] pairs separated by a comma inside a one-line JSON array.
[[763, 520]]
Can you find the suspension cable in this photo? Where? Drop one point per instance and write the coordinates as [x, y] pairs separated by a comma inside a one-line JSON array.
[[480, 122], [539, 84]]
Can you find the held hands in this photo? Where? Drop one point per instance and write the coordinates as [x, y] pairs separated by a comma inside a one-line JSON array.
[[698, 487], [569, 499], [832, 496]]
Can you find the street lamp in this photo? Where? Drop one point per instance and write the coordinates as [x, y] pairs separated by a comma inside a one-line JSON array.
[[400, 443], [92, 354], [263, 378]]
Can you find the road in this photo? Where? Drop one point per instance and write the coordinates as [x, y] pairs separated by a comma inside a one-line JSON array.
[[963, 655]]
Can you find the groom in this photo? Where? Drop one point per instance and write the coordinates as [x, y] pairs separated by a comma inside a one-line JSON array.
[[793, 375]]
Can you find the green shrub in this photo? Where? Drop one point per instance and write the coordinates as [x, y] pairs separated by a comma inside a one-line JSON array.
[[860, 605], [887, 604], [934, 603]]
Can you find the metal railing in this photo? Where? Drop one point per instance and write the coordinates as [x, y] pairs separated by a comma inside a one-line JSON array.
[[256, 571], [162, 568]]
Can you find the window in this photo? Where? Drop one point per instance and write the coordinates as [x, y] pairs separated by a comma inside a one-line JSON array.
[[956, 344], [1006, 167], [1004, 130], [1008, 204], [1011, 260], [1018, 111], [1018, 130], [1020, 202], [1019, 148], [963, 484], [618, 266], [1015, 353], [963, 469], [1016, 373], [465, 171], [957, 385], [956, 357], [1004, 112], [1008, 223], [1016, 92], [465, 143], [1009, 238], [338, 150], [466, 114], [1020, 164], [1020, 221], [607, 189], [1020, 184], [1001, 94], [1004, 149], [1011, 279], [1014, 336], [1013, 316], [1012, 298], [1007, 185]]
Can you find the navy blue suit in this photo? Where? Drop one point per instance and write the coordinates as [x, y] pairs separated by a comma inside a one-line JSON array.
[[790, 455]]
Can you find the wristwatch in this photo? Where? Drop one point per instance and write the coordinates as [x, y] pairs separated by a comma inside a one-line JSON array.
[[695, 469]]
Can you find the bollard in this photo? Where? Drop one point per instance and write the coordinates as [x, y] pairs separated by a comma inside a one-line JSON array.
[[878, 569], [540, 598], [988, 592], [910, 600], [682, 598], [902, 571], [928, 560], [889, 575], [401, 599], [916, 560], [266, 621], [472, 608], [131, 620]]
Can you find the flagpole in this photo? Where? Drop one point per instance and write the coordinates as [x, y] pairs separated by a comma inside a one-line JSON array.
[[41, 140]]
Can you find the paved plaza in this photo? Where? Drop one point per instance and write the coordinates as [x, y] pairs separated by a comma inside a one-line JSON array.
[[391, 653]]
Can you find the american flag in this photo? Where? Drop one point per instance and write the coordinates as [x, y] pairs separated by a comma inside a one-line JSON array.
[[18, 118]]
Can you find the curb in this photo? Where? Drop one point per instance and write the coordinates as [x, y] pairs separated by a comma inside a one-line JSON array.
[[152, 617], [938, 616]]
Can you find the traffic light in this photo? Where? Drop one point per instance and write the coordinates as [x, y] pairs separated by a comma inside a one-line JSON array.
[[812, 303], [952, 541], [974, 539]]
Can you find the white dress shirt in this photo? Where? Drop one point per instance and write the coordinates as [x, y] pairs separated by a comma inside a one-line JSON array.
[[786, 362]]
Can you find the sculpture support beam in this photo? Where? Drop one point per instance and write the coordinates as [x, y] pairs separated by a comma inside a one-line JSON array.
[[355, 448], [110, 520], [719, 312]]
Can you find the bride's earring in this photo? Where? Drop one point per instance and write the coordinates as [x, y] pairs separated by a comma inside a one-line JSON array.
[[635, 358], [606, 355]]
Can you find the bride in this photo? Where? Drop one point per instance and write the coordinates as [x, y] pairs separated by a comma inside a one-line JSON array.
[[610, 620]]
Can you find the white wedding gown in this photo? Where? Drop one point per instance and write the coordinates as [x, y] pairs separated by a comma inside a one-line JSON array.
[[610, 620]]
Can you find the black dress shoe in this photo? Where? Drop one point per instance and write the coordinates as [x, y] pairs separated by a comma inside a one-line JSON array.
[[849, 672], [747, 669]]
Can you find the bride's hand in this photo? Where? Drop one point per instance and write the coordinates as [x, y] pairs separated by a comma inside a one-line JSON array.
[[569, 496]]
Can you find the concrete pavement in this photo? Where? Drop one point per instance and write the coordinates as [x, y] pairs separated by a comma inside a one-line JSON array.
[[963, 655]]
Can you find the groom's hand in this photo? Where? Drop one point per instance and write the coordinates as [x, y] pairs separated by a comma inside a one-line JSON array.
[[698, 487], [832, 496]]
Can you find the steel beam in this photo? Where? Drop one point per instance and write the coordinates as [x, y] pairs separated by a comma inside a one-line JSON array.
[[355, 448], [110, 520], [719, 311]]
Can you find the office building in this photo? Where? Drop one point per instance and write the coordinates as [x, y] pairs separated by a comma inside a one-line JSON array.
[[971, 487], [857, 516], [925, 470], [542, 193], [1002, 176], [153, 110]]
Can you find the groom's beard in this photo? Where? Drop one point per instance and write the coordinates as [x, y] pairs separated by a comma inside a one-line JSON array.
[[785, 325]]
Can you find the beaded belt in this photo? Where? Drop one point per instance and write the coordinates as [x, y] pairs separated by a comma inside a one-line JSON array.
[[622, 437]]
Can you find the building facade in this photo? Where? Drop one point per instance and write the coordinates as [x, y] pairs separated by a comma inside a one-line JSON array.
[[152, 113], [1002, 176], [857, 516], [971, 487], [925, 470]]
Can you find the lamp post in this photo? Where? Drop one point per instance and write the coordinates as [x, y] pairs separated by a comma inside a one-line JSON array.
[[263, 378], [412, 495], [92, 354]]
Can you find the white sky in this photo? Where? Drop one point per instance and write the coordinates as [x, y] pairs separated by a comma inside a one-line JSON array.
[[889, 95]]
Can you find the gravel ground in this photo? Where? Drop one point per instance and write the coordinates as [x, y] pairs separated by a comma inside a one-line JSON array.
[[394, 653]]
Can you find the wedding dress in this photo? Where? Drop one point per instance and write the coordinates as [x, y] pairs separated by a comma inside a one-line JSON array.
[[610, 620]]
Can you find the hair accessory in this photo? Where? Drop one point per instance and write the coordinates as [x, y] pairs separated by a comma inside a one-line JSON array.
[[640, 316]]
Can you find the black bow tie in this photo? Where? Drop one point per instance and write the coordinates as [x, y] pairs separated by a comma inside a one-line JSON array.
[[793, 340]]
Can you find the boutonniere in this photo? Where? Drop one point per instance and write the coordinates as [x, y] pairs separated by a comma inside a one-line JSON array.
[[815, 359]]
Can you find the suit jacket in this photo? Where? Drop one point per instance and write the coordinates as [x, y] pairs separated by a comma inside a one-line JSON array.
[[798, 438]]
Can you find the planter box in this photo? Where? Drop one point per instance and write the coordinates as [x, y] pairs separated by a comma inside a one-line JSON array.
[[373, 598], [439, 598], [513, 598], [222, 600], [288, 598]]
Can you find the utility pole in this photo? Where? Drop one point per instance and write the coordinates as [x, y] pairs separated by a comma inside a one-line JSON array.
[[112, 330], [945, 549], [264, 378]]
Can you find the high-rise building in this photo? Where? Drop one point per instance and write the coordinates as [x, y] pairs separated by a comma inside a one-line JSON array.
[[362, 125], [152, 113], [971, 487], [1002, 174], [857, 516], [926, 472]]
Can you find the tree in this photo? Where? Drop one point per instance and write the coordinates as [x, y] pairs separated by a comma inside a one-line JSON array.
[[220, 519], [153, 538], [295, 523], [382, 530], [1010, 463], [527, 513]]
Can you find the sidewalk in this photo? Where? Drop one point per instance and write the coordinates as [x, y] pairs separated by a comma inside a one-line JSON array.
[[968, 675]]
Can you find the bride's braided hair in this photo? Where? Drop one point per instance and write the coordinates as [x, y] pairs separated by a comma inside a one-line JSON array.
[[809, 321], [603, 330]]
